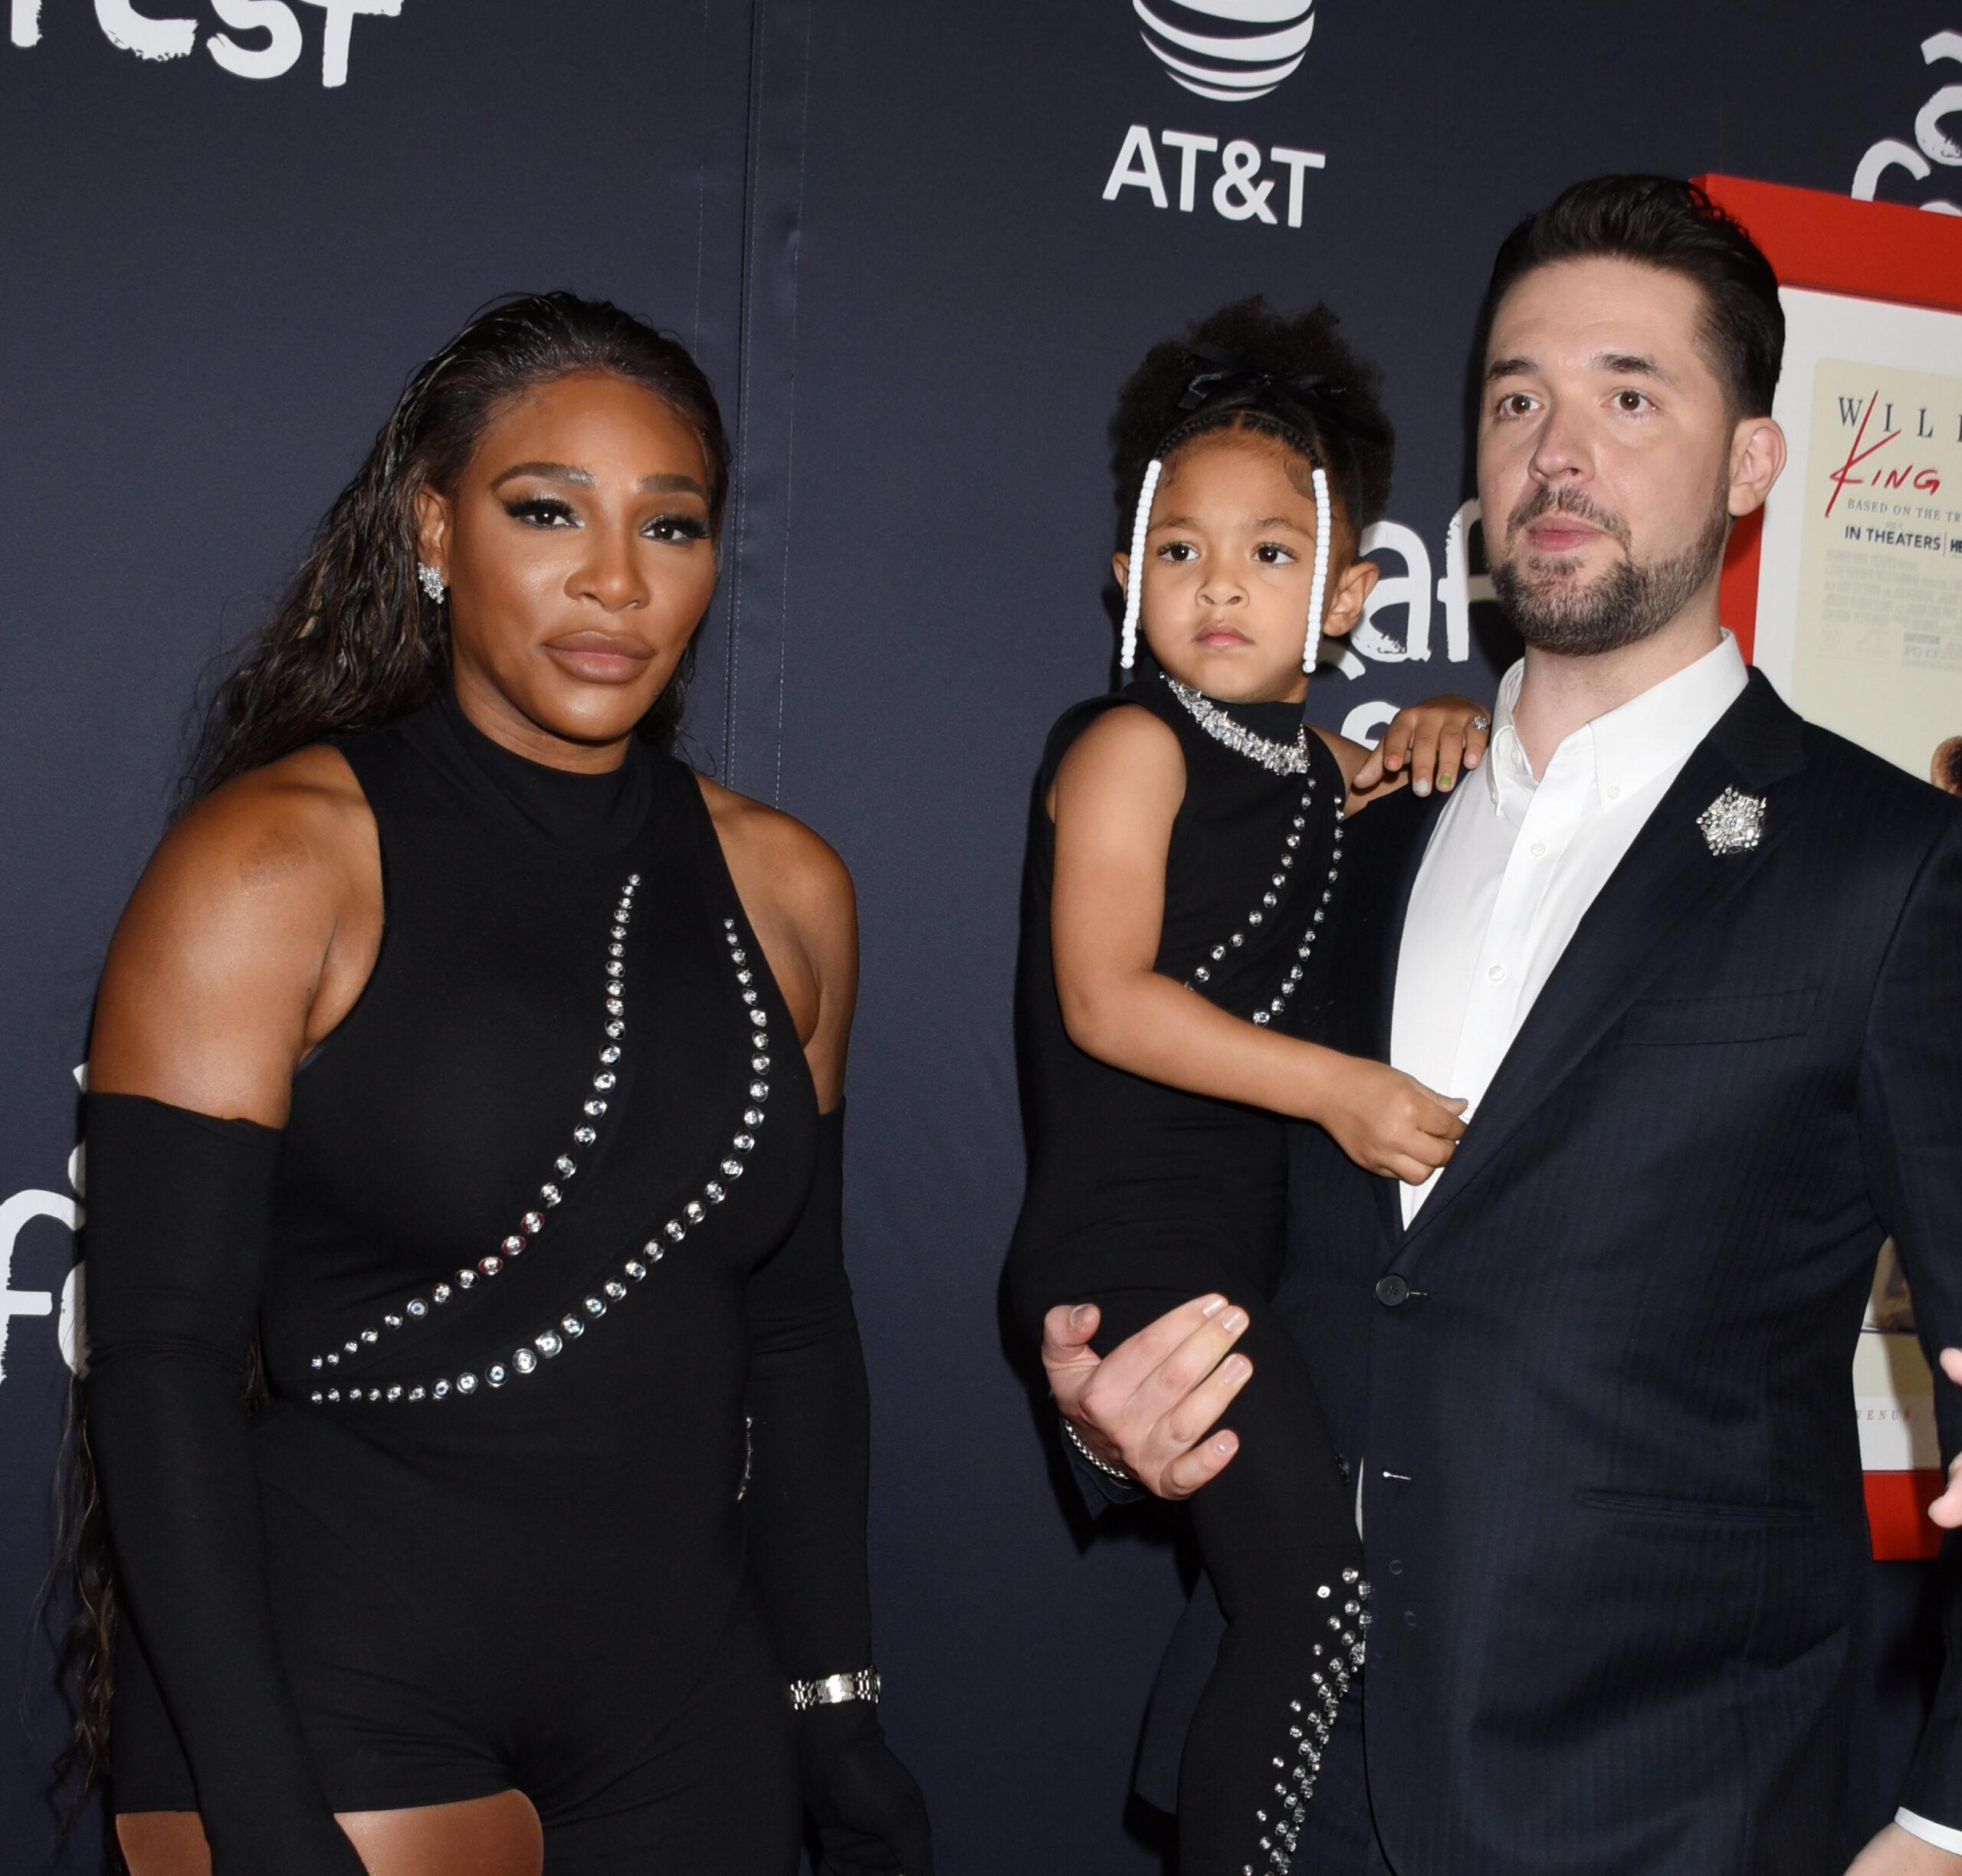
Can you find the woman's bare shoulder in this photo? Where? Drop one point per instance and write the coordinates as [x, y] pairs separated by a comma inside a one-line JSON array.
[[780, 863], [213, 982]]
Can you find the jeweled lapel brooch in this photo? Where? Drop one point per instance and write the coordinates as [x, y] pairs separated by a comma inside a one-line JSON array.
[[1733, 822]]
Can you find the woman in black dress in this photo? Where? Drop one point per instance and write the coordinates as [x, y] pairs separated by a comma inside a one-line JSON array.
[[471, 1071]]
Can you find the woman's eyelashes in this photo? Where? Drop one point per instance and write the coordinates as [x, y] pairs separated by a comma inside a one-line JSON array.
[[542, 511], [550, 511]]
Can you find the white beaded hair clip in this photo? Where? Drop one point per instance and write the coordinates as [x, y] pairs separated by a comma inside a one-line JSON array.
[[1134, 582]]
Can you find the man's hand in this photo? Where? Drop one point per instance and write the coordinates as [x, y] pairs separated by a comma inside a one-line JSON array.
[[1898, 1852], [1947, 1510], [1147, 1406]]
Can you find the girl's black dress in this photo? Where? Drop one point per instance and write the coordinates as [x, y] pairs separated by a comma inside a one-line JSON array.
[[554, 1219], [1141, 1196]]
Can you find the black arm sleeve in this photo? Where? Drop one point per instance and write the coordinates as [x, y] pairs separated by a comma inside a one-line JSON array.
[[179, 1210], [1911, 1136], [810, 1433]]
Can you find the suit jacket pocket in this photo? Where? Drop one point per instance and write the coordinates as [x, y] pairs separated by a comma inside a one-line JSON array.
[[1717, 1511], [1760, 1018]]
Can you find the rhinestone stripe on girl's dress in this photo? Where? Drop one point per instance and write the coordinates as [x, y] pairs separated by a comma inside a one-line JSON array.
[[1270, 900], [553, 1340], [1309, 1727], [418, 1308]]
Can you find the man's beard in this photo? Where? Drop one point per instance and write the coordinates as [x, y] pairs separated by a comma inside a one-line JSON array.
[[1632, 600]]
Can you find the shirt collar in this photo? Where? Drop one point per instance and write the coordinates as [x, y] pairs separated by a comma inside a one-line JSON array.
[[1630, 746]]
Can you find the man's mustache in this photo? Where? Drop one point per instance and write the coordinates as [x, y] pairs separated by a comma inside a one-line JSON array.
[[1549, 499]]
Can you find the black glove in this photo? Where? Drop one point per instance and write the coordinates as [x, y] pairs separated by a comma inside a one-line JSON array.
[[871, 1817]]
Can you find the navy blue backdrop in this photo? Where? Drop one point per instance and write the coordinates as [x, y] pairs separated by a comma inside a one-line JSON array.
[[916, 248]]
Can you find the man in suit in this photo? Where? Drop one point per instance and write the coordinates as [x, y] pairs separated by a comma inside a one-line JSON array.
[[1696, 966]]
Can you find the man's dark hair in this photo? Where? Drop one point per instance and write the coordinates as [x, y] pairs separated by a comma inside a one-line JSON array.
[[1664, 222], [1347, 430]]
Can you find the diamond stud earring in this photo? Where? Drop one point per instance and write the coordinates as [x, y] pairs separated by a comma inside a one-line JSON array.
[[431, 581]]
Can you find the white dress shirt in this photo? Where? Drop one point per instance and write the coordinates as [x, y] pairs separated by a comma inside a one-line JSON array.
[[1514, 863]]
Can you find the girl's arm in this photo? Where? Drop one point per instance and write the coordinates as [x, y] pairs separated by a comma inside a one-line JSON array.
[[1115, 798]]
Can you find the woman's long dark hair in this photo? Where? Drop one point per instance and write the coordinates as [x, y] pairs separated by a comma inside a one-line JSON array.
[[353, 642]]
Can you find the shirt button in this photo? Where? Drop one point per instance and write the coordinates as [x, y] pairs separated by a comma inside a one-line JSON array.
[[1497, 973], [1615, 793], [1539, 850], [1396, 1567]]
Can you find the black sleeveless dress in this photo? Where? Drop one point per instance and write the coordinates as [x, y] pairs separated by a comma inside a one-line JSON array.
[[526, 1207], [1142, 1196], [1251, 879]]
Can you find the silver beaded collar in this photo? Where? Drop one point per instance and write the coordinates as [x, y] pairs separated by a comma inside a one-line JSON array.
[[1280, 759]]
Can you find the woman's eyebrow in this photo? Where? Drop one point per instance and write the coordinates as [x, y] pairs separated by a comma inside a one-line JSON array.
[[549, 471]]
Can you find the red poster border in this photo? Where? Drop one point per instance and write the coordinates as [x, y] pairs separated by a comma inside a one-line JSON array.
[[1869, 250], [1833, 243]]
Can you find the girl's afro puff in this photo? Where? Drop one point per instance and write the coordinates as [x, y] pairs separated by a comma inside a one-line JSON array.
[[1357, 448]]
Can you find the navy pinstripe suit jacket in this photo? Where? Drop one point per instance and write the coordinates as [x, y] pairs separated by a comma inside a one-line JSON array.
[[1612, 1500]]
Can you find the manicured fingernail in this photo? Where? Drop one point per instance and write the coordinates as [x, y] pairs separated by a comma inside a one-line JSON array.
[[1080, 1315], [1445, 780], [1213, 1306], [1237, 1367], [1234, 1321], [1420, 786]]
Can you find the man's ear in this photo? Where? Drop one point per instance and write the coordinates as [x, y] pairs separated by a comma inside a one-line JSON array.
[[432, 529], [1758, 458], [1352, 588], [1120, 570]]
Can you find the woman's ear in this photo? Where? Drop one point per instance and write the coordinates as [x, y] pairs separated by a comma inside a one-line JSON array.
[[1120, 571], [432, 529], [1352, 588]]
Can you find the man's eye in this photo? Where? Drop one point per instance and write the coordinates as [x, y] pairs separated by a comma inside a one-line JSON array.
[[1515, 404], [1631, 401]]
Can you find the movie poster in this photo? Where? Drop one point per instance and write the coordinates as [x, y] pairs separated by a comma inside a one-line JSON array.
[[1860, 625], [1877, 650]]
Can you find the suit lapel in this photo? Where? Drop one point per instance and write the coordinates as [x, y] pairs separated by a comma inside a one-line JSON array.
[[1669, 880]]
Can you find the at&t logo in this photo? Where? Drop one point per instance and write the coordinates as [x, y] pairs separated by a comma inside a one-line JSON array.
[[1231, 52], [1229, 49]]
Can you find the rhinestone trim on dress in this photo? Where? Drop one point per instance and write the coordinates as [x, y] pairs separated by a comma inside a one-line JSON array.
[[1309, 1727], [1280, 759], [550, 1194], [1270, 900], [552, 1341]]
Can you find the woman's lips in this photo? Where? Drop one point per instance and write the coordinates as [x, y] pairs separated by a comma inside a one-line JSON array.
[[599, 657]]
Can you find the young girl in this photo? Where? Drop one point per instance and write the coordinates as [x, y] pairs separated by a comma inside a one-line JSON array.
[[1185, 859]]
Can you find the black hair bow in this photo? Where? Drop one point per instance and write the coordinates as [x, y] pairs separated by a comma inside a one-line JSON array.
[[1311, 401]]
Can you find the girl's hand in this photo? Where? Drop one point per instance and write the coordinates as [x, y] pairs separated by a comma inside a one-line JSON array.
[[1436, 741], [1389, 1123]]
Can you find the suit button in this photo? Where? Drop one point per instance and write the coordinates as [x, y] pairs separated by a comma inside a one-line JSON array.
[[1392, 1291]]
